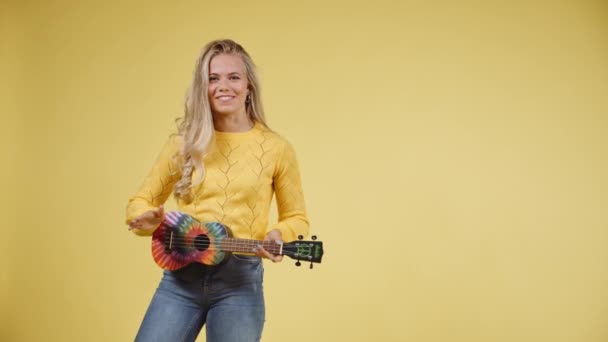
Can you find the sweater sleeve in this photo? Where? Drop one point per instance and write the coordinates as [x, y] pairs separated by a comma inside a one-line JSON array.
[[157, 185], [289, 197]]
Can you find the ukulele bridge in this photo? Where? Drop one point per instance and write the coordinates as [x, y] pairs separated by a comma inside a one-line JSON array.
[[169, 241]]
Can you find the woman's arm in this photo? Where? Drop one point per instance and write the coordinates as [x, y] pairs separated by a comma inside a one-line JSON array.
[[290, 197], [156, 188]]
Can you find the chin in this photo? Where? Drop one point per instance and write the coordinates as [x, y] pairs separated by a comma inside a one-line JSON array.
[[225, 110]]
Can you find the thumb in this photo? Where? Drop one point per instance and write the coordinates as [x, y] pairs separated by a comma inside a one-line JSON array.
[[160, 212]]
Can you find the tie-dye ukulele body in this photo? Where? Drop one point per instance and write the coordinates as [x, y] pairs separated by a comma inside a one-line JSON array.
[[181, 240]]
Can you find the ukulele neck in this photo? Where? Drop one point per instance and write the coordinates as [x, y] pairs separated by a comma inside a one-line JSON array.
[[247, 246]]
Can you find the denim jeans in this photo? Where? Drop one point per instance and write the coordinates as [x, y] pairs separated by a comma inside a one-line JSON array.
[[228, 299]]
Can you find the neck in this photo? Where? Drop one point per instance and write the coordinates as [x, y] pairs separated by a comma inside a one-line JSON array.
[[232, 122]]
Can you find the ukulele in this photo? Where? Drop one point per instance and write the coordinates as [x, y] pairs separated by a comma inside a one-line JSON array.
[[181, 240]]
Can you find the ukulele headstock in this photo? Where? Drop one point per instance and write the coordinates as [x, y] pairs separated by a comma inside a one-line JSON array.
[[300, 250]]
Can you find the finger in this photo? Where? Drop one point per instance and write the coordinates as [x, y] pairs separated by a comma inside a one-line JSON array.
[[272, 235], [147, 226], [274, 258], [260, 251]]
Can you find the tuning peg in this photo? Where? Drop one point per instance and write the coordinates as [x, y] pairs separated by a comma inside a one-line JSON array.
[[311, 265], [314, 237], [300, 237], [298, 263]]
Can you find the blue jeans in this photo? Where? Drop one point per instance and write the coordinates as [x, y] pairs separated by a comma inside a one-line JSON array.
[[227, 298]]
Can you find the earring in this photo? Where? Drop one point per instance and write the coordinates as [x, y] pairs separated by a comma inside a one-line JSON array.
[[248, 99]]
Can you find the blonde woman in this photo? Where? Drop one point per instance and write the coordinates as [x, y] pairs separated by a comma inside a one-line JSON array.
[[223, 165]]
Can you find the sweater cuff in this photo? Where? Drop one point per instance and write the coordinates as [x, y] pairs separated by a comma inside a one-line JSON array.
[[287, 234]]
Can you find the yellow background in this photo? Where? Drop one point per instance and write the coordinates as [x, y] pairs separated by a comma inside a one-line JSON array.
[[454, 156]]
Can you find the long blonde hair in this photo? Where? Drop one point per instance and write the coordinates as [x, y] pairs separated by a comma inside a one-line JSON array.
[[196, 126]]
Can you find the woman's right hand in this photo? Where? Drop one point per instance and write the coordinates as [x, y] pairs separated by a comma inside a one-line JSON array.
[[148, 220]]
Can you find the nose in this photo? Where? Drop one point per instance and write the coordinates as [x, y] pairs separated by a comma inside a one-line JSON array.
[[222, 86]]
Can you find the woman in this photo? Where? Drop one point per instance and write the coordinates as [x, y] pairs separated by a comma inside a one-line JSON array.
[[223, 165]]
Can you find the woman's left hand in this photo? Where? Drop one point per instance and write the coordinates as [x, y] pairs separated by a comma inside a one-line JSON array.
[[273, 235]]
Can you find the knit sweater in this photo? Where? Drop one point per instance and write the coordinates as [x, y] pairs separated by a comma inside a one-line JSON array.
[[243, 171]]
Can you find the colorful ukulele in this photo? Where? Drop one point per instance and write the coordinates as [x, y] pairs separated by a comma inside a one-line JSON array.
[[181, 240]]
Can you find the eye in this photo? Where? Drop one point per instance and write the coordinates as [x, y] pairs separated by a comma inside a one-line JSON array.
[[213, 78], [235, 77]]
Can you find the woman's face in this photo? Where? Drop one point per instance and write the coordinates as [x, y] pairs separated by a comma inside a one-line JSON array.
[[227, 85]]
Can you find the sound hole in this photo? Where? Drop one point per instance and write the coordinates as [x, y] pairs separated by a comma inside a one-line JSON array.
[[201, 242]]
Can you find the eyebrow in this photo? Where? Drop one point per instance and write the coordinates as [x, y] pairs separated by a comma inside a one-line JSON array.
[[230, 73]]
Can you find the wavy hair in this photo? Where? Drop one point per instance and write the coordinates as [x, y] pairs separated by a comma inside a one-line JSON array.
[[196, 126]]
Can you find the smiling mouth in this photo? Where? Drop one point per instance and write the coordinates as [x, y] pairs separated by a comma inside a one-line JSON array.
[[225, 98]]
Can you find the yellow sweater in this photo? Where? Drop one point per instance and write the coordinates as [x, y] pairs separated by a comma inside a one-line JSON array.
[[242, 172]]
